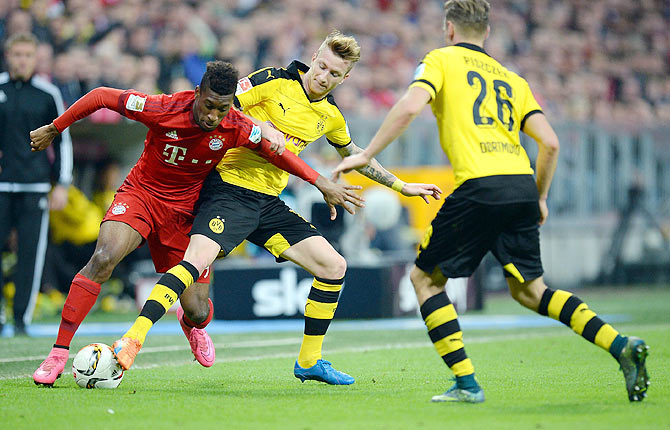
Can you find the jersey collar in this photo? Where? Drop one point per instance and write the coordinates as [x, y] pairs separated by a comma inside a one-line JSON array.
[[472, 46], [295, 68]]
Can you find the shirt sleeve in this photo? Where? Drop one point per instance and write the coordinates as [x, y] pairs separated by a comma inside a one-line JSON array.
[[288, 161], [530, 105], [429, 74], [147, 109], [249, 135], [256, 87], [339, 136], [92, 101]]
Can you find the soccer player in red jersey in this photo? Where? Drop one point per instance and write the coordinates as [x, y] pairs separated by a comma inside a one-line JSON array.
[[189, 132]]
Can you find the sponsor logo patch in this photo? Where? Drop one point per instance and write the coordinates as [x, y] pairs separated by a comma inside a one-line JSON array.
[[419, 70], [216, 225], [255, 135], [243, 85], [172, 134], [135, 103], [119, 208]]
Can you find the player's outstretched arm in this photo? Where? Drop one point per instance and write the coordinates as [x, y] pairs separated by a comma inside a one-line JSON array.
[[98, 98], [396, 122], [375, 171], [540, 130]]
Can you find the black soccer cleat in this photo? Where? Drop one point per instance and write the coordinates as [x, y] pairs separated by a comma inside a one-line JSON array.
[[633, 366]]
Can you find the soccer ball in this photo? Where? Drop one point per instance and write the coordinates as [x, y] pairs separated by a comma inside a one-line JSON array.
[[95, 366]]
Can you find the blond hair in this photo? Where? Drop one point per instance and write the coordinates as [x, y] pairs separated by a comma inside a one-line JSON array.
[[346, 47], [471, 17], [22, 37]]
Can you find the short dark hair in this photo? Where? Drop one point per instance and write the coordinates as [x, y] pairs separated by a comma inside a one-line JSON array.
[[221, 77]]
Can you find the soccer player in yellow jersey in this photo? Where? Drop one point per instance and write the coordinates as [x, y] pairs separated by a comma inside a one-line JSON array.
[[480, 107], [240, 200]]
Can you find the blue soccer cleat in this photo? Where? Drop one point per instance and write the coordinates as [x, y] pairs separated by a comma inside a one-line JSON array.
[[455, 394], [322, 371]]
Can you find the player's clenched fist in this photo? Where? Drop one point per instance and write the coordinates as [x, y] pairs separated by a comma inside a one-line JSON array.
[[42, 137]]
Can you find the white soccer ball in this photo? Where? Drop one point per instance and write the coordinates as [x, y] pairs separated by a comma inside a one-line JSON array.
[[95, 366]]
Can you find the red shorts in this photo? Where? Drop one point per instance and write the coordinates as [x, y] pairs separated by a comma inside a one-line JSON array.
[[162, 225]]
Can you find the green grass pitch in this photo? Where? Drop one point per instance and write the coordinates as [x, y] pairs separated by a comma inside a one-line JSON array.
[[534, 378]]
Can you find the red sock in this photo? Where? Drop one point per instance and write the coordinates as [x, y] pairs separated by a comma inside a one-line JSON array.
[[83, 294], [203, 324]]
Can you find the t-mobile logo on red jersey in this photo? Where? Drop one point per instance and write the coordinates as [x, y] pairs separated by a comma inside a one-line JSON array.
[[176, 153]]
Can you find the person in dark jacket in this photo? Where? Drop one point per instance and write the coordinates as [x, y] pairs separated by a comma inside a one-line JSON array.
[[26, 178]]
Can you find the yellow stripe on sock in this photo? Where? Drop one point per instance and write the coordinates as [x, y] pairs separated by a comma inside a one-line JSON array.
[[183, 274], [449, 344], [441, 316], [325, 287], [322, 311], [139, 329], [580, 317], [163, 295], [556, 303], [605, 337], [511, 268], [463, 368], [310, 350]]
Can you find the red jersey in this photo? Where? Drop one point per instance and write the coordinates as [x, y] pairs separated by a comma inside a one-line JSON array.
[[178, 154]]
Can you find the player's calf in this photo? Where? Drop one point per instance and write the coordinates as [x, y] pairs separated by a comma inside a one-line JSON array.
[[200, 342]]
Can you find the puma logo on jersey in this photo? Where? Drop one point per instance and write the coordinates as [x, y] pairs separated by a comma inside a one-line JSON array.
[[172, 134], [269, 75], [283, 108]]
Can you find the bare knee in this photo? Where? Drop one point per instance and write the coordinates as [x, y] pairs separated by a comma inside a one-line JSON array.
[[334, 268], [99, 268]]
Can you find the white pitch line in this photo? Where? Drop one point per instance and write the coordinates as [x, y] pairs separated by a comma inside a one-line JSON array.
[[360, 349], [172, 348], [292, 341]]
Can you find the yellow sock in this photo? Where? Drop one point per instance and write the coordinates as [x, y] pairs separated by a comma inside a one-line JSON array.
[[445, 332], [319, 311], [571, 311], [164, 294], [139, 329]]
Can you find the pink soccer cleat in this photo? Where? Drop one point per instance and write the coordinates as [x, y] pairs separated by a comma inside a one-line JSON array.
[[51, 368], [201, 344]]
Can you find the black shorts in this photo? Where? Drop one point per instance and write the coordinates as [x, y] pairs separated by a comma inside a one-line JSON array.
[[228, 214], [465, 230]]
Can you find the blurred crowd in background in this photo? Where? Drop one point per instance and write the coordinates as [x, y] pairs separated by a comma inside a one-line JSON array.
[[603, 61], [586, 60]]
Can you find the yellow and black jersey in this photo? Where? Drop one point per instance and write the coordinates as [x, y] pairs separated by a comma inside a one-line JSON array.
[[277, 96], [480, 107]]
